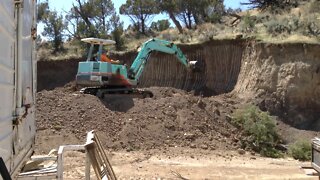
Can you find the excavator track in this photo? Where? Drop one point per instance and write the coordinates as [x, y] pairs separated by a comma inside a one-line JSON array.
[[101, 92]]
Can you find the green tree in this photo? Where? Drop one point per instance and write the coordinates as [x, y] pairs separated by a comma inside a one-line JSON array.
[[160, 25], [104, 10], [76, 25], [271, 4], [192, 12], [185, 13], [197, 12], [140, 12], [43, 10], [209, 11], [171, 8], [117, 31], [91, 18], [53, 29]]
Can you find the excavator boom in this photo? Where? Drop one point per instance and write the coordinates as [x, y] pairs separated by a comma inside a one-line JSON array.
[[139, 63]]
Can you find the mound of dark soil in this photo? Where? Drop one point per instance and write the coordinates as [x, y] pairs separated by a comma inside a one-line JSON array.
[[171, 118]]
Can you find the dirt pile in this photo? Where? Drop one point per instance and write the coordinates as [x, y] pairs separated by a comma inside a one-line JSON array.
[[172, 118]]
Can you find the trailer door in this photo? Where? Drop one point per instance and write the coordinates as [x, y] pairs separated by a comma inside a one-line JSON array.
[[24, 123], [7, 99]]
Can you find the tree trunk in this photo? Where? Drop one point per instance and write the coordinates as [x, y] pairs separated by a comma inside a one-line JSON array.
[[185, 20], [189, 20], [196, 19], [83, 16], [143, 26], [103, 19], [176, 22]]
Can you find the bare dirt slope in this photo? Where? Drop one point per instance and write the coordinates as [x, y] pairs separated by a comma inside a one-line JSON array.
[[171, 118], [285, 80]]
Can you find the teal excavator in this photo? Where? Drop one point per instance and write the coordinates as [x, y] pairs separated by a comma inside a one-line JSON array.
[[101, 78]]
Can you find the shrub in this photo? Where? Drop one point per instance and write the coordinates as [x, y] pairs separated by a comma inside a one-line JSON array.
[[311, 26], [306, 25], [276, 26], [248, 23], [260, 130], [301, 150], [314, 6], [274, 6], [262, 17], [160, 25], [207, 33]]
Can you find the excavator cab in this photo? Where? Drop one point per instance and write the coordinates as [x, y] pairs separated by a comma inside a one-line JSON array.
[[97, 42], [94, 72]]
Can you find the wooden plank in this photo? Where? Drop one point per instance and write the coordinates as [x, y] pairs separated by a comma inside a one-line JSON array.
[[98, 158]]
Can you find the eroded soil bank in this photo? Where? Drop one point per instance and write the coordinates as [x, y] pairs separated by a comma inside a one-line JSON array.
[[283, 79]]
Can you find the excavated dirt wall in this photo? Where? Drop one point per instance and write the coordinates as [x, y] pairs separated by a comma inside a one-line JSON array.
[[281, 78], [222, 61], [52, 74], [284, 79]]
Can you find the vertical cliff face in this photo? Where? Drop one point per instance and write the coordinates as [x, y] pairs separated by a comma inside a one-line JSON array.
[[286, 78], [222, 60], [52, 74]]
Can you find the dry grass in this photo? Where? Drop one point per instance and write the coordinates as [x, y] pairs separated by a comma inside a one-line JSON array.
[[295, 38], [71, 51]]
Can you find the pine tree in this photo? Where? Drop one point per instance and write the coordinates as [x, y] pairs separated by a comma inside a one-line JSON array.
[[140, 12]]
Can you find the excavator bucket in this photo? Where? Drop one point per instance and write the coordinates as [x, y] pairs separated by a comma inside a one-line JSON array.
[[196, 66]]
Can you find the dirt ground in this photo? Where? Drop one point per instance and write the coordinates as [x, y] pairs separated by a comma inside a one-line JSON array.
[[174, 135], [186, 163]]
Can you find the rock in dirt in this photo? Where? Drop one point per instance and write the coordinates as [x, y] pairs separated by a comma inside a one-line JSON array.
[[241, 151]]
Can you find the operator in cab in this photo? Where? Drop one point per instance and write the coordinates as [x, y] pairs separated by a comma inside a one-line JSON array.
[[105, 58]]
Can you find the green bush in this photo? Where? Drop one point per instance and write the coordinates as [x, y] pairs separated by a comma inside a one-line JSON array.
[[301, 150], [262, 17], [278, 26], [248, 23], [311, 26], [160, 25], [260, 130]]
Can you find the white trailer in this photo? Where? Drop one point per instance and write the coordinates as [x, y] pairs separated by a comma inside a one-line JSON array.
[[17, 81]]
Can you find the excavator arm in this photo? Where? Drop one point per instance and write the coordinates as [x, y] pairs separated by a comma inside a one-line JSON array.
[[139, 63]]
